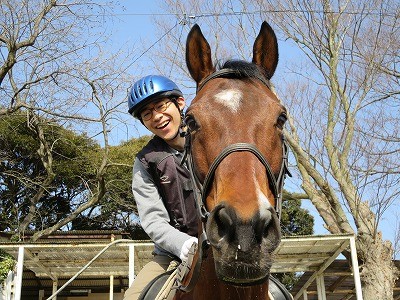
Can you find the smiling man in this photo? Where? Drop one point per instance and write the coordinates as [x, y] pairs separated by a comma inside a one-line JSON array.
[[161, 185]]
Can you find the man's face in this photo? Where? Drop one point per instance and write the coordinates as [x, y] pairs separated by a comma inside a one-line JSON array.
[[163, 117]]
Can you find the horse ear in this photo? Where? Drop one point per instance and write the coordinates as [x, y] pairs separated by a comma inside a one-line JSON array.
[[265, 50], [198, 55]]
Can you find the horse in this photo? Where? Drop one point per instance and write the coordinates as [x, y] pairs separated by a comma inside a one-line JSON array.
[[237, 156]]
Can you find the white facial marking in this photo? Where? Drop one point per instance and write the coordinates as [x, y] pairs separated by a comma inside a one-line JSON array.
[[265, 205], [230, 98]]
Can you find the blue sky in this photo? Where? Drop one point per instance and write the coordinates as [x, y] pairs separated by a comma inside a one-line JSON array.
[[135, 25]]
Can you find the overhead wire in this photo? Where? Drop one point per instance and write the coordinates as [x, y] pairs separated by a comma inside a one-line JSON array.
[[148, 49], [373, 12], [151, 46], [183, 22]]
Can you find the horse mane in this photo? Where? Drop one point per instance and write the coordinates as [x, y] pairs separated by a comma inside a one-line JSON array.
[[244, 69]]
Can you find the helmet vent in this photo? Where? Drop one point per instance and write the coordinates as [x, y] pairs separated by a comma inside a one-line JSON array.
[[136, 95], [151, 85], [144, 88]]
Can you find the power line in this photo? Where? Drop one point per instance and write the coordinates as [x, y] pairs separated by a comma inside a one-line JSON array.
[[185, 18], [236, 13], [152, 45], [183, 22], [143, 53]]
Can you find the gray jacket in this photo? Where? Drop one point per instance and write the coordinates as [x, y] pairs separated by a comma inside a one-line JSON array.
[[153, 215]]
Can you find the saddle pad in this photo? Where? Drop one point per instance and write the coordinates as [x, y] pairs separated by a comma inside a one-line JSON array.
[[157, 286], [277, 290], [160, 288]]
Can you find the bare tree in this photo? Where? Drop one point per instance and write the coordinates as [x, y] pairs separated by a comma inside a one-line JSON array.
[[53, 66], [397, 239], [350, 168], [343, 94]]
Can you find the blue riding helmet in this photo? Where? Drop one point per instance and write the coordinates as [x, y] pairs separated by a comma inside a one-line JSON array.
[[149, 89]]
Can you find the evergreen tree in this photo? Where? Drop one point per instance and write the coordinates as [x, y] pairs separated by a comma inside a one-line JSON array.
[[22, 172]]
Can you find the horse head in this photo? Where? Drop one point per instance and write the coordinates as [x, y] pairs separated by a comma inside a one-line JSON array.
[[238, 157]]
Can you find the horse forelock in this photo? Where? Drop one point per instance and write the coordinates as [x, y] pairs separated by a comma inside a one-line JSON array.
[[244, 69]]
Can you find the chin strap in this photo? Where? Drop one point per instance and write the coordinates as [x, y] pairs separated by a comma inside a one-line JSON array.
[[181, 131]]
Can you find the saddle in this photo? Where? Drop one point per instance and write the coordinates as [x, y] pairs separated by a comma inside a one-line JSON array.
[[164, 286], [277, 290], [160, 288]]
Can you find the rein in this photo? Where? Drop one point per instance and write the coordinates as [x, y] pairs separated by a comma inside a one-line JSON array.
[[201, 189]]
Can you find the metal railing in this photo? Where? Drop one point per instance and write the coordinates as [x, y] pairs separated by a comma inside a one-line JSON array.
[[88, 264]]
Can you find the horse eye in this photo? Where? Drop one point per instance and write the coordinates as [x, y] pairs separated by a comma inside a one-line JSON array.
[[281, 120], [191, 123]]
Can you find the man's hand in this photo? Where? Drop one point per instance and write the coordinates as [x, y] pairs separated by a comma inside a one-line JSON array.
[[186, 247]]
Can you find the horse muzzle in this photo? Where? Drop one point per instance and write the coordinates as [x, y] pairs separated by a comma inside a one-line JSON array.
[[242, 249]]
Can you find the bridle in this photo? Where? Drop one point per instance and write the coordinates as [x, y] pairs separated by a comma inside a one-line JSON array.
[[201, 189]]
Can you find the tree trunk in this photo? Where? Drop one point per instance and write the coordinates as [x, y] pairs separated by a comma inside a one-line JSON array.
[[378, 272]]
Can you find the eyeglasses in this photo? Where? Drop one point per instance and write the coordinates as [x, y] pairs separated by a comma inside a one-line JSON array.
[[160, 107]]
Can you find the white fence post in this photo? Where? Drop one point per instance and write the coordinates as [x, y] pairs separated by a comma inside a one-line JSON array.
[[7, 291], [131, 264], [20, 271]]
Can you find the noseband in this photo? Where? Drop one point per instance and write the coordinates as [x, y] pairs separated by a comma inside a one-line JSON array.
[[201, 189]]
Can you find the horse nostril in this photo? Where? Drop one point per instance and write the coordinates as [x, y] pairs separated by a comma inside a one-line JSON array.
[[225, 223], [262, 228]]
